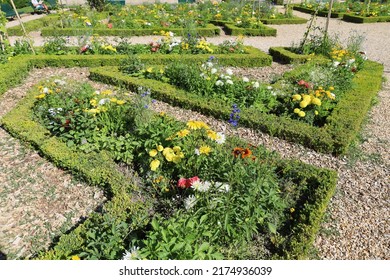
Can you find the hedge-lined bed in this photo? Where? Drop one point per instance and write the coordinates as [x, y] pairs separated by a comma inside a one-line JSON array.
[[47, 29], [334, 137], [277, 21], [12, 73], [361, 19], [126, 205], [284, 55]]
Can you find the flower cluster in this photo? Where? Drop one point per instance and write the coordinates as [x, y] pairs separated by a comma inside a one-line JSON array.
[[101, 100], [234, 115], [239, 152], [173, 154]]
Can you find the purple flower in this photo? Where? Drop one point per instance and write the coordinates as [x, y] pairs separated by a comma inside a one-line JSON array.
[[234, 115]]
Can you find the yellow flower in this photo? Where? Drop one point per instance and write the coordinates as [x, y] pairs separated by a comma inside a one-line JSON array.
[[205, 150], [120, 102], [194, 125], [113, 100], [316, 112], [176, 149], [153, 153], [303, 104], [183, 133], [154, 164], [94, 111], [296, 110], [106, 92], [75, 258], [149, 69], [316, 101], [212, 135], [301, 114], [93, 102], [40, 96], [331, 88], [160, 148], [297, 97], [292, 210]]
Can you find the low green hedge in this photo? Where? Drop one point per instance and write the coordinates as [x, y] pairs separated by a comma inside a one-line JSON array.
[[33, 25], [209, 31], [284, 55], [99, 169], [231, 29], [335, 137], [319, 13], [360, 19], [293, 20]]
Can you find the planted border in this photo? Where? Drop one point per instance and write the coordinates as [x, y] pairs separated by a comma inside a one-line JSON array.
[[14, 72], [360, 19], [99, 169], [335, 137], [284, 55]]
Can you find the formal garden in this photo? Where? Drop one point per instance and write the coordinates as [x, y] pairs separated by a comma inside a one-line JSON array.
[[189, 189]]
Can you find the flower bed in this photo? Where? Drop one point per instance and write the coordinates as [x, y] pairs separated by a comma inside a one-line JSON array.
[[184, 167], [352, 11], [327, 124]]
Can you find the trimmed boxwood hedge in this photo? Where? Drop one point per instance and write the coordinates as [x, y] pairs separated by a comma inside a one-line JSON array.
[[284, 55], [231, 29], [335, 137], [99, 169], [360, 19], [319, 13], [209, 31], [292, 20]]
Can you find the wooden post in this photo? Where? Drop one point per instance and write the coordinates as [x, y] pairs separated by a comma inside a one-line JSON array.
[[21, 24], [328, 18]]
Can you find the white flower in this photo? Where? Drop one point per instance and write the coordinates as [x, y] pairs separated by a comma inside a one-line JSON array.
[[219, 83], [229, 71], [189, 202], [201, 186], [60, 82], [336, 63], [269, 87], [351, 61], [197, 152], [222, 76], [104, 101], [222, 187], [132, 255], [171, 34], [45, 90], [97, 92], [333, 95], [230, 82], [245, 79], [209, 64], [213, 71], [221, 138], [256, 84]]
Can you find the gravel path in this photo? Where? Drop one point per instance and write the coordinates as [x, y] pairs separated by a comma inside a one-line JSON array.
[[356, 225]]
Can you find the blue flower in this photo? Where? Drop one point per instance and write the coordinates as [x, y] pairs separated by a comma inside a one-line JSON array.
[[234, 115]]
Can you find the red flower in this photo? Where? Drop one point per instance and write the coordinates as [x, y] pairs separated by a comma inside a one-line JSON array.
[[109, 25], [182, 183], [303, 83]]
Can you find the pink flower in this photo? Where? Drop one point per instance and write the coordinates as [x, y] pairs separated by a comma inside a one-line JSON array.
[[109, 25], [192, 180]]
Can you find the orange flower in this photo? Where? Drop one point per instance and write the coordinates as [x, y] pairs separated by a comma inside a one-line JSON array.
[[237, 151], [246, 153]]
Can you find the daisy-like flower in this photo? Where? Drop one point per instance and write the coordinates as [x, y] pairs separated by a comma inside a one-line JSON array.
[[256, 85], [201, 186], [197, 152], [229, 71], [221, 138], [205, 150], [194, 125], [245, 79], [219, 83], [189, 202], [222, 187], [103, 101], [213, 70], [133, 254], [229, 82], [183, 133]]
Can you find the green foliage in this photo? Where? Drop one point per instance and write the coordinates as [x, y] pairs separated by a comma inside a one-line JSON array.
[[55, 45], [263, 30]]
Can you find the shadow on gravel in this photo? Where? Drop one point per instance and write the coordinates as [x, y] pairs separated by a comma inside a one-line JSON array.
[[2, 256]]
